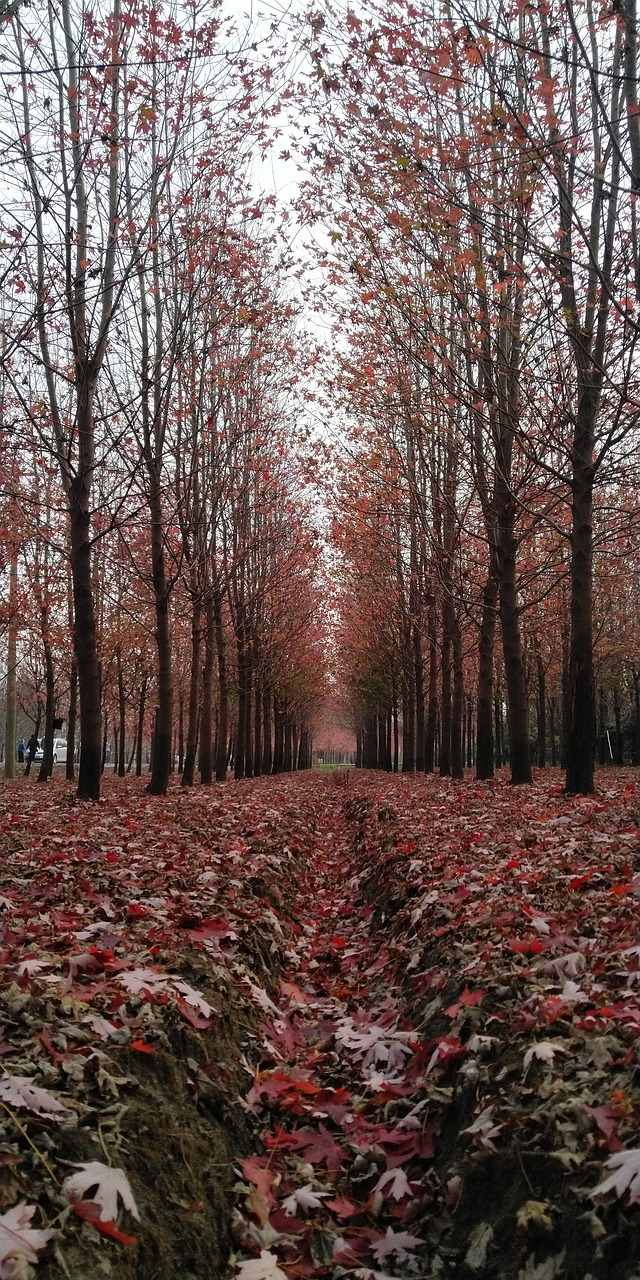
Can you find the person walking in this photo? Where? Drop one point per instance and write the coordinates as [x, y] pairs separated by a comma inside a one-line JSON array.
[[21, 751], [32, 747]]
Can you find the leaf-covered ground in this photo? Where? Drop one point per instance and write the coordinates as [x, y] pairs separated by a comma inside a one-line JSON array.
[[382, 1027]]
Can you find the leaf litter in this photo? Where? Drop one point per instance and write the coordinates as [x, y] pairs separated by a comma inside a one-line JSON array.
[[405, 1013]]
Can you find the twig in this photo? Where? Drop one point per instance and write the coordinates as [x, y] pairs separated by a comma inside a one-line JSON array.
[[32, 1144]]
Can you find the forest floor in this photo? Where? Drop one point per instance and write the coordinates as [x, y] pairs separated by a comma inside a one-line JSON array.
[[315, 1027]]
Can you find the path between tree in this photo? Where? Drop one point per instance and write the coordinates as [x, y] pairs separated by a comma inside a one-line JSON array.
[[384, 1029]]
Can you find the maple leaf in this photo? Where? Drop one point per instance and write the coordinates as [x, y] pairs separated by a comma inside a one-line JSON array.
[[263, 1268], [318, 1148], [483, 1129], [304, 1198], [625, 1175], [108, 1183], [20, 1091], [397, 1182], [193, 997], [395, 1242], [545, 1051], [19, 1240]]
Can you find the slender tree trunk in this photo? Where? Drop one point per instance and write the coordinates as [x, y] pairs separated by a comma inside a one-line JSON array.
[[267, 752], [541, 706], [189, 768], [85, 645], [278, 748], [457, 705], [432, 716], [419, 686], [46, 768], [71, 720], [581, 694], [140, 729], [257, 728], [618, 723], [10, 736], [484, 723], [159, 780], [514, 669], [206, 718], [223, 690], [288, 743], [445, 696], [122, 708], [240, 744], [248, 739]]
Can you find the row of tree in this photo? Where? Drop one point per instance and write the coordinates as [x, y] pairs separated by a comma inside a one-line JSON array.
[[479, 168], [150, 371]]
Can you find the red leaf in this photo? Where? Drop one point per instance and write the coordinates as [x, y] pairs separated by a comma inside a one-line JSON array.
[[191, 1015], [342, 1207], [90, 1212]]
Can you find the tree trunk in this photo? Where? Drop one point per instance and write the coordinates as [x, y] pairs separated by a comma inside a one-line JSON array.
[[159, 780], [241, 732], [267, 753], [541, 707], [206, 718], [581, 694], [457, 706], [419, 685], [223, 690], [10, 736], [514, 670], [121, 714], [445, 696], [71, 720], [46, 768], [484, 724], [432, 716], [189, 768], [140, 729], [84, 636]]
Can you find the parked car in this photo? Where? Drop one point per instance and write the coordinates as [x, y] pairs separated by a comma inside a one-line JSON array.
[[59, 750]]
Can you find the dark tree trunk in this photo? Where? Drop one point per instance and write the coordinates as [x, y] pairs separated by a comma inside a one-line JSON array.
[[122, 715], [267, 753], [445, 697], [71, 720], [419, 685], [162, 743], [616, 711], [457, 706], [84, 634], [257, 728], [248, 737], [223, 690], [140, 730], [278, 746], [46, 768], [432, 716], [206, 721], [541, 707], [241, 730], [514, 669], [581, 695], [408, 714], [484, 724], [189, 767]]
